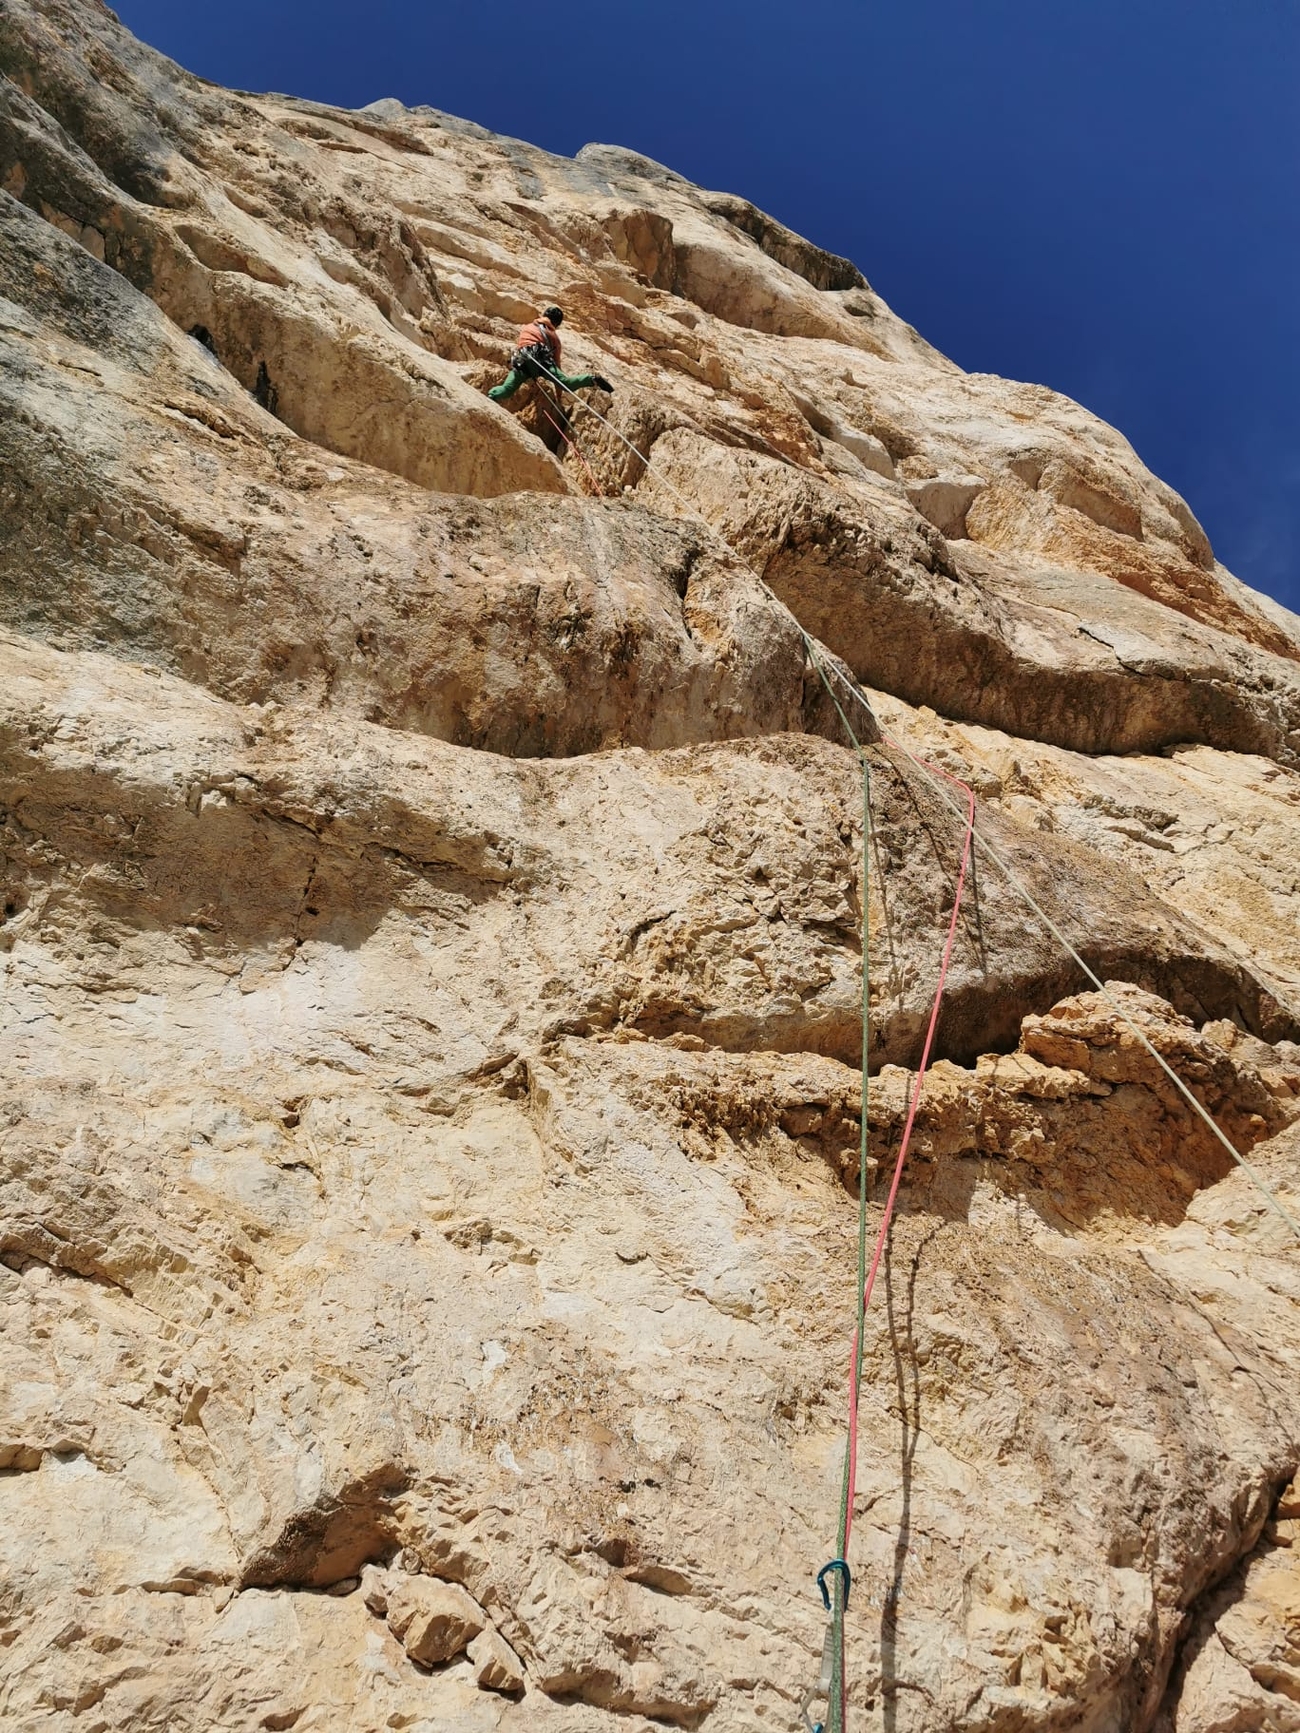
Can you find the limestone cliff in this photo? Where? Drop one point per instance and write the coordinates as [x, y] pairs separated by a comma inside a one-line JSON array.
[[431, 913]]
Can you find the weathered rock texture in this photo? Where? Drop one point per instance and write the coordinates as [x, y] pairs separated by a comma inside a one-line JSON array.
[[431, 935]]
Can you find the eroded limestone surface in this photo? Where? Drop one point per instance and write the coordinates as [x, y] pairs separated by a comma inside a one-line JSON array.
[[430, 925]]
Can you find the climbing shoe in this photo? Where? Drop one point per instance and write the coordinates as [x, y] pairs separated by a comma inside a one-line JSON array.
[[602, 384]]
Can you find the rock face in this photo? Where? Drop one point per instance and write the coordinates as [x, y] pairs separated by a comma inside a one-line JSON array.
[[431, 926], [1241, 1667]]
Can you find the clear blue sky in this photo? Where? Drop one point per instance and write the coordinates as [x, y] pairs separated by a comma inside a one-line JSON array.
[[1098, 195]]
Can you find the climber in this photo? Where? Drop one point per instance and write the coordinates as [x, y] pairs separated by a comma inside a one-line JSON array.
[[538, 357]]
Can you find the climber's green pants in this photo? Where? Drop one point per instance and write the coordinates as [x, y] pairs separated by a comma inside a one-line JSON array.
[[517, 377]]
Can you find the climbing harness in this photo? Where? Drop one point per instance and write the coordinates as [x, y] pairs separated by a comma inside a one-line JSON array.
[[533, 359], [834, 1580], [539, 347]]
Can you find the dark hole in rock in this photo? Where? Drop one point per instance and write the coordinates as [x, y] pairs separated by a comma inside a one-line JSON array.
[[264, 392]]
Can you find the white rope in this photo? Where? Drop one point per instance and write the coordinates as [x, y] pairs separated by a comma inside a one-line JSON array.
[[855, 693], [1027, 896]]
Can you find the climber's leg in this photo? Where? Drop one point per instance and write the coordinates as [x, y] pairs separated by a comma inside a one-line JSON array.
[[508, 386], [579, 381], [569, 381]]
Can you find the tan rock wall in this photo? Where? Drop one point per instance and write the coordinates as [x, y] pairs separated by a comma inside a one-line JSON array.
[[431, 909]]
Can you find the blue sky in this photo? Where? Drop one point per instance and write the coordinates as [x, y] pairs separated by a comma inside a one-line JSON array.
[[1098, 195]]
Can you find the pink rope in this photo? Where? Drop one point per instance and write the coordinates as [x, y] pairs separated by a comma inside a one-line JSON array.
[[570, 442], [913, 1105]]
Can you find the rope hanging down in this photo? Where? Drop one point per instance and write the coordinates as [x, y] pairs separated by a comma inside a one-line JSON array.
[[831, 1683], [1265, 1191], [562, 425], [882, 1236], [829, 671]]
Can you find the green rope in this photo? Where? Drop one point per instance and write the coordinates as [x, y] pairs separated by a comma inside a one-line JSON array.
[[836, 1706], [836, 1699]]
